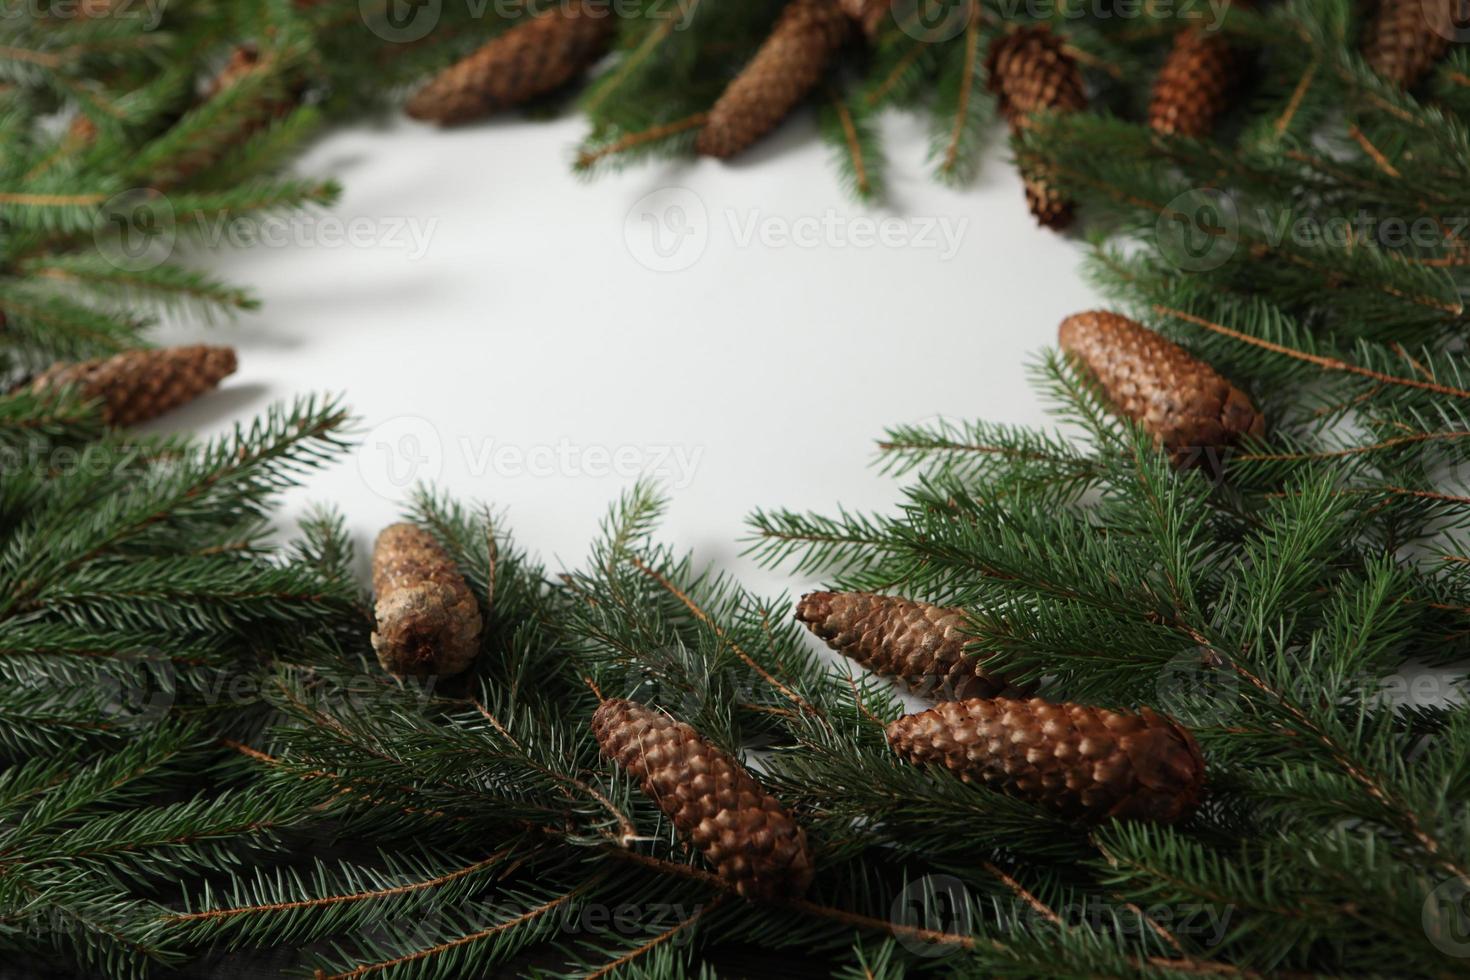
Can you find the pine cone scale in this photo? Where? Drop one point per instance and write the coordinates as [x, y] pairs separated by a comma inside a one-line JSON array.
[[743, 832], [1082, 762]]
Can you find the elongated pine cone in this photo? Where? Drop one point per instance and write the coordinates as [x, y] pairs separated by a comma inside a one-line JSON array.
[[532, 58], [743, 831], [428, 622], [869, 14], [1194, 85], [920, 644], [139, 385], [1031, 72], [788, 65], [1084, 763], [1180, 400], [1406, 38]]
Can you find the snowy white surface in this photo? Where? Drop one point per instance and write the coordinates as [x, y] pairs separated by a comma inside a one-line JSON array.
[[744, 332]]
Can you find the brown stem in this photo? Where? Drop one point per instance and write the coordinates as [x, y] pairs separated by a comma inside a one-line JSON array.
[[707, 620], [1326, 363], [587, 158]]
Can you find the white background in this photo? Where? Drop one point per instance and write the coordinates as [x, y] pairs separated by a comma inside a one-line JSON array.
[[497, 326]]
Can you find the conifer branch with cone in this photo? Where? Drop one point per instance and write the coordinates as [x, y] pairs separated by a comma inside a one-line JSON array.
[[788, 65], [1084, 762], [743, 831], [137, 386], [536, 56], [1030, 72], [1178, 689], [919, 644], [1182, 402]]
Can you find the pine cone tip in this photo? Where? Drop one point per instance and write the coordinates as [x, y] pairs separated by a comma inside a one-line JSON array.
[[814, 607], [428, 622]]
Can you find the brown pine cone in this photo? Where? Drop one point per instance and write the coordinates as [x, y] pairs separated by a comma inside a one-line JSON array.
[[1194, 85], [743, 831], [1406, 38], [139, 385], [788, 65], [428, 622], [1087, 763], [1031, 72], [869, 14], [530, 59], [1180, 400], [920, 644]]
